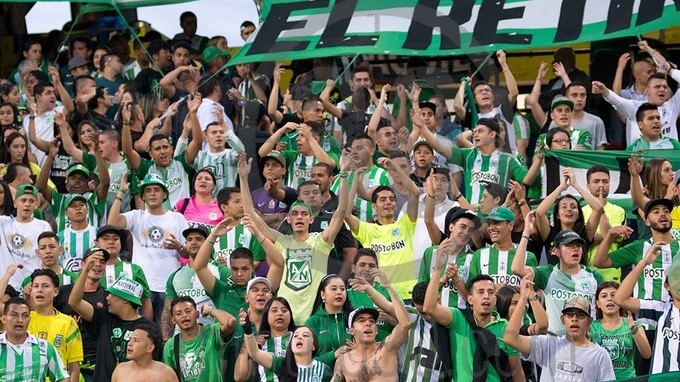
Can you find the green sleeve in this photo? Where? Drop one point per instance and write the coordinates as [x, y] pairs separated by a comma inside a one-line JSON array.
[[140, 277], [597, 275], [55, 203], [313, 323], [335, 146], [170, 292], [98, 205], [183, 160], [56, 368], [475, 267], [256, 249], [457, 155], [335, 157], [517, 170], [426, 265], [328, 358], [628, 255], [25, 282], [675, 143], [169, 353], [531, 260], [89, 161], [276, 364], [385, 179], [585, 139], [541, 275], [223, 271], [144, 167]]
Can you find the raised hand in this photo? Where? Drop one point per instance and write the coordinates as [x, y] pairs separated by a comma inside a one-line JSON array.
[[622, 232], [330, 84], [634, 165], [54, 147], [502, 60], [415, 93], [529, 221], [542, 71], [598, 87], [653, 252], [623, 60], [403, 135], [559, 70], [385, 91], [278, 70], [359, 283], [401, 92], [244, 164], [526, 287]]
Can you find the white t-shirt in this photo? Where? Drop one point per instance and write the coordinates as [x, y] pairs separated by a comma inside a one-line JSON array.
[[149, 231], [205, 114], [20, 246], [44, 129]]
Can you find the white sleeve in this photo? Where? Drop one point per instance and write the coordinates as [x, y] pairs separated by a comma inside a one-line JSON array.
[[675, 74], [540, 350], [131, 219], [182, 224], [622, 105]]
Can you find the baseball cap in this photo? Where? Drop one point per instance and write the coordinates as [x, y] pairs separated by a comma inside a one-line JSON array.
[[70, 198], [428, 104], [153, 179], [456, 213], [568, 236], [77, 61], [94, 250], [500, 214], [212, 52], [127, 289], [362, 309], [78, 168], [256, 280], [658, 201], [108, 229], [26, 189], [301, 203], [579, 303], [490, 123], [422, 143], [199, 228], [561, 101], [301, 93], [275, 154]]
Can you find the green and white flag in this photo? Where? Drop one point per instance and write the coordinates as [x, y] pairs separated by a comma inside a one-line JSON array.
[[299, 29]]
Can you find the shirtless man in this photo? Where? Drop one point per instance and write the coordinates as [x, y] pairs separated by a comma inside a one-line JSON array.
[[140, 365], [372, 361]]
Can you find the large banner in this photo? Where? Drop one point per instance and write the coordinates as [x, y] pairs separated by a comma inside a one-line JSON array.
[[297, 29], [615, 161], [103, 4]]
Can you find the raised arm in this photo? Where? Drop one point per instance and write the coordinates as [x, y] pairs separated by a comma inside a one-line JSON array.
[[273, 101], [459, 100], [510, 82], [617, 84], [75, 299], [430, 224], [197, 134], [226, 320], [635, 168], [270, 143], [444, 150], [558, 69], [372, 129], [258, 355], [243, 168], [115, 217], [69, 146], [43, 177], [351, 220], [103, 171], [318, 151], [4, 280], [41, 144], [64, 97], [413, 191], [593, 202], [511, 337], [539, 115], [273, 254], [205, 276], [131, 154], [441, 314], [325, 100], [338, 218], [400, 331], [518, 266], [623, 296], [542, 210]]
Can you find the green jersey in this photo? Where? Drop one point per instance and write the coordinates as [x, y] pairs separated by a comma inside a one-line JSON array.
[[195, 353], [664, 143], [497, 264], [35, 361], [315, 372], [222, 164], [127, 270], [620, 345], [498, 168], [75, 243], [95, 209], [228, 296], [299, 166], [358, 298], [558, 287], [421, 361], [237, 237], [578, 137], [277, 347], [328, 142], [116, 171], [462, 340], [184, 282], [373, 177], [449, 291]]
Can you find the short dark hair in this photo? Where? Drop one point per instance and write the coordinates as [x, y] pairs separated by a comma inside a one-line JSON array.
[[39, 75], [157, 137], [551, 134], [103, 59], [247, 24], [153, 333], [479, 278], [640, 113], [242, 253], [361, 252], [316, 127], [156, 46], [306, 183], [12, 171], [46, 272], [379, 189], [181, 299], [363, 136], [40, 88], [595, 169], [87, 41], [208, 87], [181, 44], [14, 301], [326, 166], [418, 293], [399, 154], [574, 84], [224, 194], [186, 15], [656, 76], [11, 292], [48, 235]]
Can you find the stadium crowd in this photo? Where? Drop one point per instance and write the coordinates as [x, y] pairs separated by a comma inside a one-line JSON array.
[[390, 239]]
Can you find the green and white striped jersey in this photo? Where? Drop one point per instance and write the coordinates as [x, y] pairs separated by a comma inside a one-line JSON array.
[[33, 361], [666, 352], [449, 291], [299, 167], [497, 264], [418, 357], [237, 237], [498, 168], [558, 287], [74, 244], [317, 371], [128, 270], [184, 282], [373, 177], [276, 346], [116, 171], [175, 176], [222, 164], [650, 284], [95, 209]]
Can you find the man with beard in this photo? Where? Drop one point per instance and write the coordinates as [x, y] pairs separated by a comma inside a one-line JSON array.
[[189, 350], [597, 181], [184, 283], [322, 174]]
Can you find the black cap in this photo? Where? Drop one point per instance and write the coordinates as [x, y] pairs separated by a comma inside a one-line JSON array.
[[94, 250], [490, 123], [108, 229], [568, 236], [456, 213], [200, 229], [428, 104], [659, 201]]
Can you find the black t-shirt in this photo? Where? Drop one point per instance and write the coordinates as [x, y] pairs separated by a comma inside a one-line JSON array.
[[148, 81], [343, 239], [101, 121], [112, 335], [58, 171], [182, 111], [353, 123], [98, 299], [288, 118]]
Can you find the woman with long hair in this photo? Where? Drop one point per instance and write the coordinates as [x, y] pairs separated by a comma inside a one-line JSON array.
[[6, 202], [87, 134], [659, 181], [299, 363], [202, 207], [277, 325], [611, 326], [9, 93], [568, 215], [15, 150], [9, 116], [330, 312]]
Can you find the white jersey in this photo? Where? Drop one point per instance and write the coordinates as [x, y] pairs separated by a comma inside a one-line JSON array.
[[74, 244], [20, 246], [44, 129], [665, 357], [222, 164]]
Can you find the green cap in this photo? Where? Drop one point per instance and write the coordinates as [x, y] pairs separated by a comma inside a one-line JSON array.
[[153, 179], [275, 154], [26, 189], [500, 214], [301, 203], [212, 52], [673, 277], [78, 168], [561, 101], [70, 198], [127, 289]]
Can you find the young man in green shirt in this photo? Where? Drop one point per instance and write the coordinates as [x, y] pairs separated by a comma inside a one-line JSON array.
[[649, 122], [197, 343], [467, 363]]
